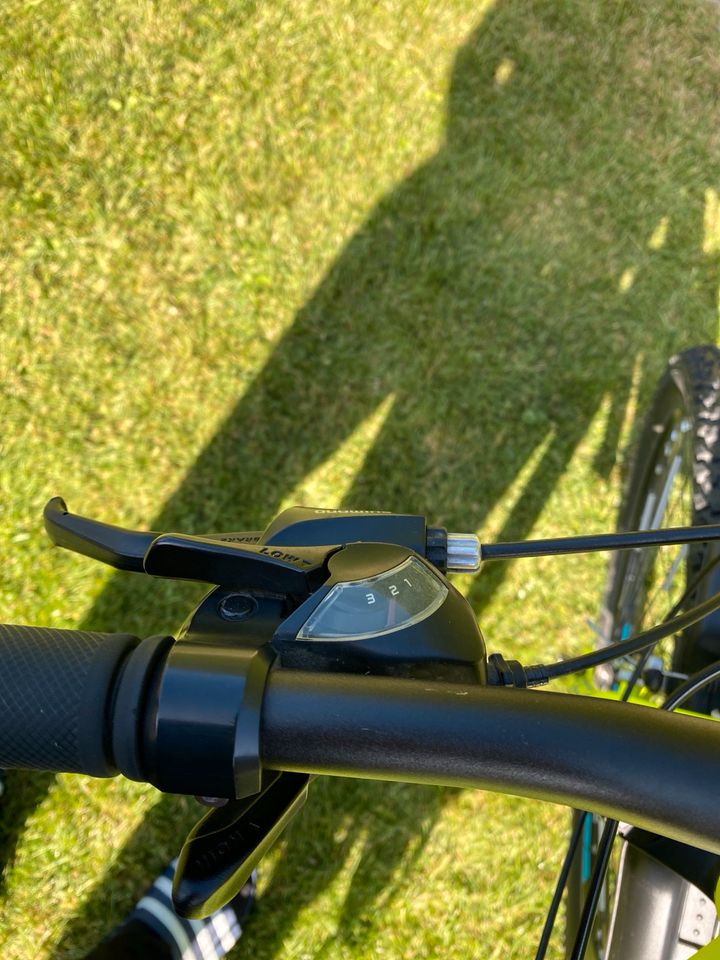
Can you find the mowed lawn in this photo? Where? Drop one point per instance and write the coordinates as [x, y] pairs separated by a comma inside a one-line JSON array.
[[414, 256]]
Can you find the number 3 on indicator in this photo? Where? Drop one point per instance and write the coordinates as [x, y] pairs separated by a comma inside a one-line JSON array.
[[370, 598]]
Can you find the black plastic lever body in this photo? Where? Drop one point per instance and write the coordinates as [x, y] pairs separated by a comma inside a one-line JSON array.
[[117, 546], [292, 570], [223, 849], [219, 558]]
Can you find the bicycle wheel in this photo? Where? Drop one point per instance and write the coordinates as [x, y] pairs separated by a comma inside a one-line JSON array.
[[674, 481]]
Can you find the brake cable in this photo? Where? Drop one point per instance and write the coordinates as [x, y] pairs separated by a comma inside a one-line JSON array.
[[514, 674], [562, 879], [682, 694]]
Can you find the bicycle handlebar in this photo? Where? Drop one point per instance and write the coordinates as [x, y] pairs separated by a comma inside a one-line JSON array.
[[651, 768], [79, 702]]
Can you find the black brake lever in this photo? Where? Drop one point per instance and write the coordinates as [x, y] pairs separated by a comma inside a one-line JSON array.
[[292, 570], [117, 546], [222, 559]]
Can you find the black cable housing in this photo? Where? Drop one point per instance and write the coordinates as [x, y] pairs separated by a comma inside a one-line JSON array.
[[680, 696], [626, 540], [648, 638]]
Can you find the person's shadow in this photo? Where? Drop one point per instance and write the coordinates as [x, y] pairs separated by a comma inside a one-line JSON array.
[[532, 275]]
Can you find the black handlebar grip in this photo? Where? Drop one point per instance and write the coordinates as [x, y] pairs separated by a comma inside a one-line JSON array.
[[56, 694]]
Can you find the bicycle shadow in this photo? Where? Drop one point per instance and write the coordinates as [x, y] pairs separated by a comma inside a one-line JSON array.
[[495, 325]]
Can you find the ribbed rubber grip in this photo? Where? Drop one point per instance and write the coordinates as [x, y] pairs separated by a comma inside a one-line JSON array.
[[56, 692]]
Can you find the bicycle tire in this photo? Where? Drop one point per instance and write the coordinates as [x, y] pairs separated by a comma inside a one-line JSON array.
[[685, 410], [690, 387]]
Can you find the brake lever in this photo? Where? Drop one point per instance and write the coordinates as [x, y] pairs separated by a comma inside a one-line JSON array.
[[222, 559], [296, 571], [117, 546]]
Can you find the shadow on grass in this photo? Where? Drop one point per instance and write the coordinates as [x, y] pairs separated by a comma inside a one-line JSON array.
[[383, 826], [508, 290]]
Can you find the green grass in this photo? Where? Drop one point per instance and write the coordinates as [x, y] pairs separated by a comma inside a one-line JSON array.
[[401, 255]]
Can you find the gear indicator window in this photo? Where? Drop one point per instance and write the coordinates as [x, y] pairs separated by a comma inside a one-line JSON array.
[[382, 604]]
